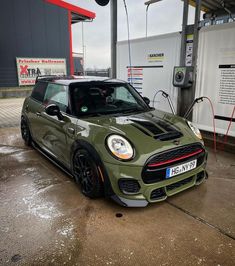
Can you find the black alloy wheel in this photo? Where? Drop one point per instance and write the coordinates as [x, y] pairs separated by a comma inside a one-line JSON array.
[[86, 173], [25, 132]]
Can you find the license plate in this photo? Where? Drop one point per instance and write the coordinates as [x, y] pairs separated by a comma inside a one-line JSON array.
[[182, 168]]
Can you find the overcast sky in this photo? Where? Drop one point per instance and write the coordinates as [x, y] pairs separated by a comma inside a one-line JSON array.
[[163, 17]]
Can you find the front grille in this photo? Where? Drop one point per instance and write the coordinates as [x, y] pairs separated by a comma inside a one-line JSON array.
[[129, 186], [155, 168], [179, 184], [175, 153], [158, 193]]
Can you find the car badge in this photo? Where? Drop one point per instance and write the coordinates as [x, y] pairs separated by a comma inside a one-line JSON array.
[[176, 142]]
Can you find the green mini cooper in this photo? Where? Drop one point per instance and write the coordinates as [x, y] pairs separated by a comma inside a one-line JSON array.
[[104, 134]]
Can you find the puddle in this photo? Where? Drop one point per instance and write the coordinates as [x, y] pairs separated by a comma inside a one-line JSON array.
[[16, 258], [67, 230], [5, 150], [38, 208]]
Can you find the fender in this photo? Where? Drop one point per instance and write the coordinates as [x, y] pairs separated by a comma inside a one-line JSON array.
[[82, 144]]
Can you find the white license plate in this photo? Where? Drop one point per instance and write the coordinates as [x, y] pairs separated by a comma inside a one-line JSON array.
[[177, 170]]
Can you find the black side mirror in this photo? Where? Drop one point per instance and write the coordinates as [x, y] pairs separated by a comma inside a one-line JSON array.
[[146, 99], [54, 110]]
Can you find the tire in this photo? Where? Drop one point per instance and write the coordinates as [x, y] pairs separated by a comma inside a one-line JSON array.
[[25, 132], [86, 173]]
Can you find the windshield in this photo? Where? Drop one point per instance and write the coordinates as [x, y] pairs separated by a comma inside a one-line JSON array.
[[94, 99]]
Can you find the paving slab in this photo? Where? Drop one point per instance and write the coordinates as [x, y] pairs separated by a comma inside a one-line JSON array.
[[214, 202], [10, 110], [45, 220]]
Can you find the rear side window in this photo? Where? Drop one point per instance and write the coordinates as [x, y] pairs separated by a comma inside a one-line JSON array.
[[57, 94], [39, 90]]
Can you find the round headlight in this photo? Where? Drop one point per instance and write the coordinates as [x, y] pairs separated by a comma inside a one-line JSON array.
[[195, 130], [120, 147]]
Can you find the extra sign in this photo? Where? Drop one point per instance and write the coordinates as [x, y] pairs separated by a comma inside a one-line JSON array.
[[29, 68]]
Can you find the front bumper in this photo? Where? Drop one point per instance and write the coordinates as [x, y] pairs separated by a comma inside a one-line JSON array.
[[154, 192]]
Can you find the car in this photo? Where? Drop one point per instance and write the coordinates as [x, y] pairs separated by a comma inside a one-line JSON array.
[[107, 137]]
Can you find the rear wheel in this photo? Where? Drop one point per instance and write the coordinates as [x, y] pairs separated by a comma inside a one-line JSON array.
[[87, 174], [25, 132]]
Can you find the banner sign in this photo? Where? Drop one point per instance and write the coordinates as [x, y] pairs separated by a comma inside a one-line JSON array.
[[29, 68]]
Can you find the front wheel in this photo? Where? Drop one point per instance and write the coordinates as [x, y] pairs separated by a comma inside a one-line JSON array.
[[87, 174], [25, 132]]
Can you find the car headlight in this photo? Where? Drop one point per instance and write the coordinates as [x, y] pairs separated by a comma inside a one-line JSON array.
[[120, 147], [195, 130]]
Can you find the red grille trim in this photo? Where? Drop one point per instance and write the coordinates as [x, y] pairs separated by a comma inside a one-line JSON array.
[[176, 159]]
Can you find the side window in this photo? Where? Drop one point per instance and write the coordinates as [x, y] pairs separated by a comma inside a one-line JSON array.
[[39, 90], [57, 94]]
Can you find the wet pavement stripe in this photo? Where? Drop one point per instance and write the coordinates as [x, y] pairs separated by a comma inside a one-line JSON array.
[[16, 147], [201, 220]]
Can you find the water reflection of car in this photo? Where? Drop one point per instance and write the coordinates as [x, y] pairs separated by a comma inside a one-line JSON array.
[[104, 134]]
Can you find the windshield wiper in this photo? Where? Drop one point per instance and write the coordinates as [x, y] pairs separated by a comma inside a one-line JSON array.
[[131, 110], [91, 115]]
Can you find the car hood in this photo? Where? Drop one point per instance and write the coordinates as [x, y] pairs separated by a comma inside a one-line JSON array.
[[149, 132]]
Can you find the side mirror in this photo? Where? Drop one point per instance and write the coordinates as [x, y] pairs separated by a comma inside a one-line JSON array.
[[54, 110], [146, 99]]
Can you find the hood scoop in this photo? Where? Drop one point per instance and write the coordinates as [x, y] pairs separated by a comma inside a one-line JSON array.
[[169, 136], [162, 130], [149, 126]]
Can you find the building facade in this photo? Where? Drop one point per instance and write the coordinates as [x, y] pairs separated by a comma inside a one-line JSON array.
[[36, 29]]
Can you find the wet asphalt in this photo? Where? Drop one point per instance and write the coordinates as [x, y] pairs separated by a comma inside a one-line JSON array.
[[45, 220]]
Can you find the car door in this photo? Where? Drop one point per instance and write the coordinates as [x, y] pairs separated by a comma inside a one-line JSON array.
[[34, 108], [56, 134]]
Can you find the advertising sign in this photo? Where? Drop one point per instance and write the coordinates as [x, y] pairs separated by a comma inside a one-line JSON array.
[[29, 68], [135, 77], [189, 50], [155, 57]]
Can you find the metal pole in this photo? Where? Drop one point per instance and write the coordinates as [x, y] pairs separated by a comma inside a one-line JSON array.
[[146, 32], [196, 32], [83, 50], [195, 50], [113, 11], [183, 54], [183, 34]]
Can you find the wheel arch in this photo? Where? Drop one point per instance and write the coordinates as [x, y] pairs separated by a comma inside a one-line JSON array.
[[83, 144]]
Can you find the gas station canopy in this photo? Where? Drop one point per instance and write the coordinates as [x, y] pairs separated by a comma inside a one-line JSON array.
[[214, 5]]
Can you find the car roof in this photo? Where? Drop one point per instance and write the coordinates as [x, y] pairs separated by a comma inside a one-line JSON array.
[[67, 80]]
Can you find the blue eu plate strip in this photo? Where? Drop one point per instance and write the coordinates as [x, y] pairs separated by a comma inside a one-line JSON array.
[[168, 172]]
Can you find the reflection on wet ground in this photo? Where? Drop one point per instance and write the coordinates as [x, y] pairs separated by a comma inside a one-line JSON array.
[[45, 220]]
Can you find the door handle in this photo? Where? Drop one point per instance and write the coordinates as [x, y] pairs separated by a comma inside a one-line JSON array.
[[38, 113], [71, 130]]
